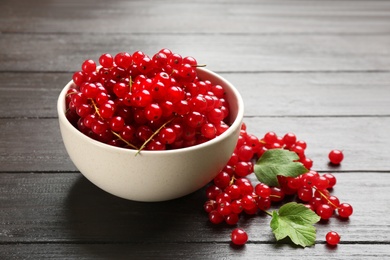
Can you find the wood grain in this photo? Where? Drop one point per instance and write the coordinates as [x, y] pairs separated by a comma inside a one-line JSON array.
[[195, 17], [67, 208], [222, 53], [190, 251]]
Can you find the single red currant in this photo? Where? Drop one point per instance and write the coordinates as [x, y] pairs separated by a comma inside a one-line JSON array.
[[232, 219], [336, 156], [345, 210], [324, 211], [331, 180], [215, 217], [106, 60], [239, 236], [332, 238], [88, 66]]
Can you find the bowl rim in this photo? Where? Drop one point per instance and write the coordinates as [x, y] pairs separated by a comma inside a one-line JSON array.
[[236, 123]]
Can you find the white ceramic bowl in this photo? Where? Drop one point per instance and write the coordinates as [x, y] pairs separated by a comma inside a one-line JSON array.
[[153, 175]]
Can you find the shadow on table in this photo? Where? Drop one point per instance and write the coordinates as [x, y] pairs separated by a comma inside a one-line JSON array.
[[95, 217]]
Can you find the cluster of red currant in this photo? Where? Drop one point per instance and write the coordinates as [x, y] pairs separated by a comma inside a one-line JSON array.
[[232, 192], [141, 102]]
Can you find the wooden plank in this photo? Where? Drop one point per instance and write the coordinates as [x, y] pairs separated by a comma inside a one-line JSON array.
[[265, 94], [170, 251], [36, 145], [32, 145], [292, 53], [66, 208], [30, 94], [196, 17], [313, 94]]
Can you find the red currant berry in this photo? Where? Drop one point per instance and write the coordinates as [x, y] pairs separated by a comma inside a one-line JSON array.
[[232, 219], [345, 210], [315, 202], [239, 236], [223, 197], [301, 144], [215, 115], [88, 66], [263, 190], [106, 60], [245, 153], [121, 89], [336, 156], [305, 194], [175, 60], [210, 205], [78, 78], [332, 238], [276, 194], [167, 135], [270, 138], [243, 169], [123, 60], [263, 203], [237, 206], [117, 124], [324, 211], [159, 60], [331, 180], [107, 110], [224, 208], [153, 112], [215, 217], [222, 180], [190, 60], [307, 162], [332, 201], [208, 130], [212, 191], [233, 191], [289, 139], [248, 202]]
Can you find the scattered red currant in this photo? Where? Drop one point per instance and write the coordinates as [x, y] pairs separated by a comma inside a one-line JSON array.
[[336, 157], [239, 236], [232, 193], [332, 238], [345, 210]]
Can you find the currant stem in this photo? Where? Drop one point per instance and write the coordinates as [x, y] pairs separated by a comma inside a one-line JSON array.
[[232, 180], [130, 84], [95, 107], [199, 65], [267, 212], [126, 142], [323, 195], [71, 93], [153, 135]]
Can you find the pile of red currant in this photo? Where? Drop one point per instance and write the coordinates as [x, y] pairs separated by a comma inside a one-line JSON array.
[[140, 102], [232, 192]]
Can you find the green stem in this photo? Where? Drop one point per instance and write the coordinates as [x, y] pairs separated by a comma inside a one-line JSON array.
[[268, 213]]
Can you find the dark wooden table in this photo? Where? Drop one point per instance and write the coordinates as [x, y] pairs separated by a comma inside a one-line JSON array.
[[320, 69]]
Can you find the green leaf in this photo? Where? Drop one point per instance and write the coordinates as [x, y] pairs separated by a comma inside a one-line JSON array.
[[295, 221], [276, 162]]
